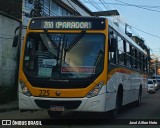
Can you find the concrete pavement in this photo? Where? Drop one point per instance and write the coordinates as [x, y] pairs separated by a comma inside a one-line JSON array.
[[12, 105]]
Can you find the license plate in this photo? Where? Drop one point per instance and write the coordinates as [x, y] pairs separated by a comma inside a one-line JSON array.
[[56, 108]]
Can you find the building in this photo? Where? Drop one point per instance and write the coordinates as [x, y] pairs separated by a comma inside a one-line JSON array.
[[8, 60], [37, 8], [9, 20]]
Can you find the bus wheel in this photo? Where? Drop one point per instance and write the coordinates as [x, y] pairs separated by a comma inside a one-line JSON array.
[[52, 114], [139, 101], [114, 112]]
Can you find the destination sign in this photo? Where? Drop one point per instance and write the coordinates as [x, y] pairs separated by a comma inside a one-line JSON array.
[[67, 23]]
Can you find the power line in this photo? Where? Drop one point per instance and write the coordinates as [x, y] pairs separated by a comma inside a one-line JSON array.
[[121, 21], [73, 6], [145, 32], [102, 2], [94, 5], [123, 4], [127, 4], [138, 6], [133, 26], [108, 8]]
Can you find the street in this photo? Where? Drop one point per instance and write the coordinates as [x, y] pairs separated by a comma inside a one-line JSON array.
[[149, 109]]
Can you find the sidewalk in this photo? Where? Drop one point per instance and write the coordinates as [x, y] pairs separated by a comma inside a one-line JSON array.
[[13, 105]]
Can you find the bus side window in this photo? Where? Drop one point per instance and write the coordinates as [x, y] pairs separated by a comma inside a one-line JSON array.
[[112, 48], [112, 45], [121, 51], [128, 56]]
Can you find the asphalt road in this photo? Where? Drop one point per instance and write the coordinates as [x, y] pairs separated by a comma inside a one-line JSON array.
[[148, 111]]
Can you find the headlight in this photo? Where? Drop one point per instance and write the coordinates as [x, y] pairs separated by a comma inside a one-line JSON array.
[[95, 91], [25, 90]]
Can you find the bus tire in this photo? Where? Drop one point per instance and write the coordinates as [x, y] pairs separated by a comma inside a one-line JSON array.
[[119, 99], [52, 114], [114, 112], [139, 101]]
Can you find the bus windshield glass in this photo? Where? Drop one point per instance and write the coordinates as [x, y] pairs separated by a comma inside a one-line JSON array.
[[64, 55]]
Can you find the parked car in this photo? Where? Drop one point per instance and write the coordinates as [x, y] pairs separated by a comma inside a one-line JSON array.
[[158, 80], [151, 86], [156, 84]]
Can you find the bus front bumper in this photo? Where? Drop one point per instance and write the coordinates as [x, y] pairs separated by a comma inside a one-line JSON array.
[[96, 104]]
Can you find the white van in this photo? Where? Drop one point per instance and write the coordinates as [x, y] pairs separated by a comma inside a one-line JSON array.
[[152, 84]]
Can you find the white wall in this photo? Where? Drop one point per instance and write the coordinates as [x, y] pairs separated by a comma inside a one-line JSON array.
[[8, 64]]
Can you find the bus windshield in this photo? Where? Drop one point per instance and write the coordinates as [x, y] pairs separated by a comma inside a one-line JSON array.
[[63, 55]]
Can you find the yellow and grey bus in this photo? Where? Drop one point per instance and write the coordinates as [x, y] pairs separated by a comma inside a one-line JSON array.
[[79, 64]]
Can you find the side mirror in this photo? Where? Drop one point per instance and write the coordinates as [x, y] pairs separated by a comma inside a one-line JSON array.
[[112, 44], [15, 41]]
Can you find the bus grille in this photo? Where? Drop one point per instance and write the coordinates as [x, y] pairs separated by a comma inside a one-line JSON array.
[[59, 85], [46, 104], [62, 85]]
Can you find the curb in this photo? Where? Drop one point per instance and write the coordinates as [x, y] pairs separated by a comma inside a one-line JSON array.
[[8, 109]]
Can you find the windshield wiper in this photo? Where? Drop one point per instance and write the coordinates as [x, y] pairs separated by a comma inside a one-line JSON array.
[[56, 50], [50, 39], [75, 40]]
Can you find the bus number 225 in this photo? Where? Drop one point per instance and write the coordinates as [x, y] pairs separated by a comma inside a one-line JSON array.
[[44, 92]]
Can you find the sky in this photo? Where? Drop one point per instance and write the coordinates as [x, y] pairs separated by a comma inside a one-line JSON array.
[[144, 16]]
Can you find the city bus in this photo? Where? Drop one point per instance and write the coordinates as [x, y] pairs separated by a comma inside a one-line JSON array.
[[84, 64]]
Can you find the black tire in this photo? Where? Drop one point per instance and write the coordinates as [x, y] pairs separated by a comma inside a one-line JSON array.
[[115, 111], [139, 101], [52, 114]]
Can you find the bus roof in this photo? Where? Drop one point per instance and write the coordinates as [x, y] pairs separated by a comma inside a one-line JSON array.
[[70, 17]]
